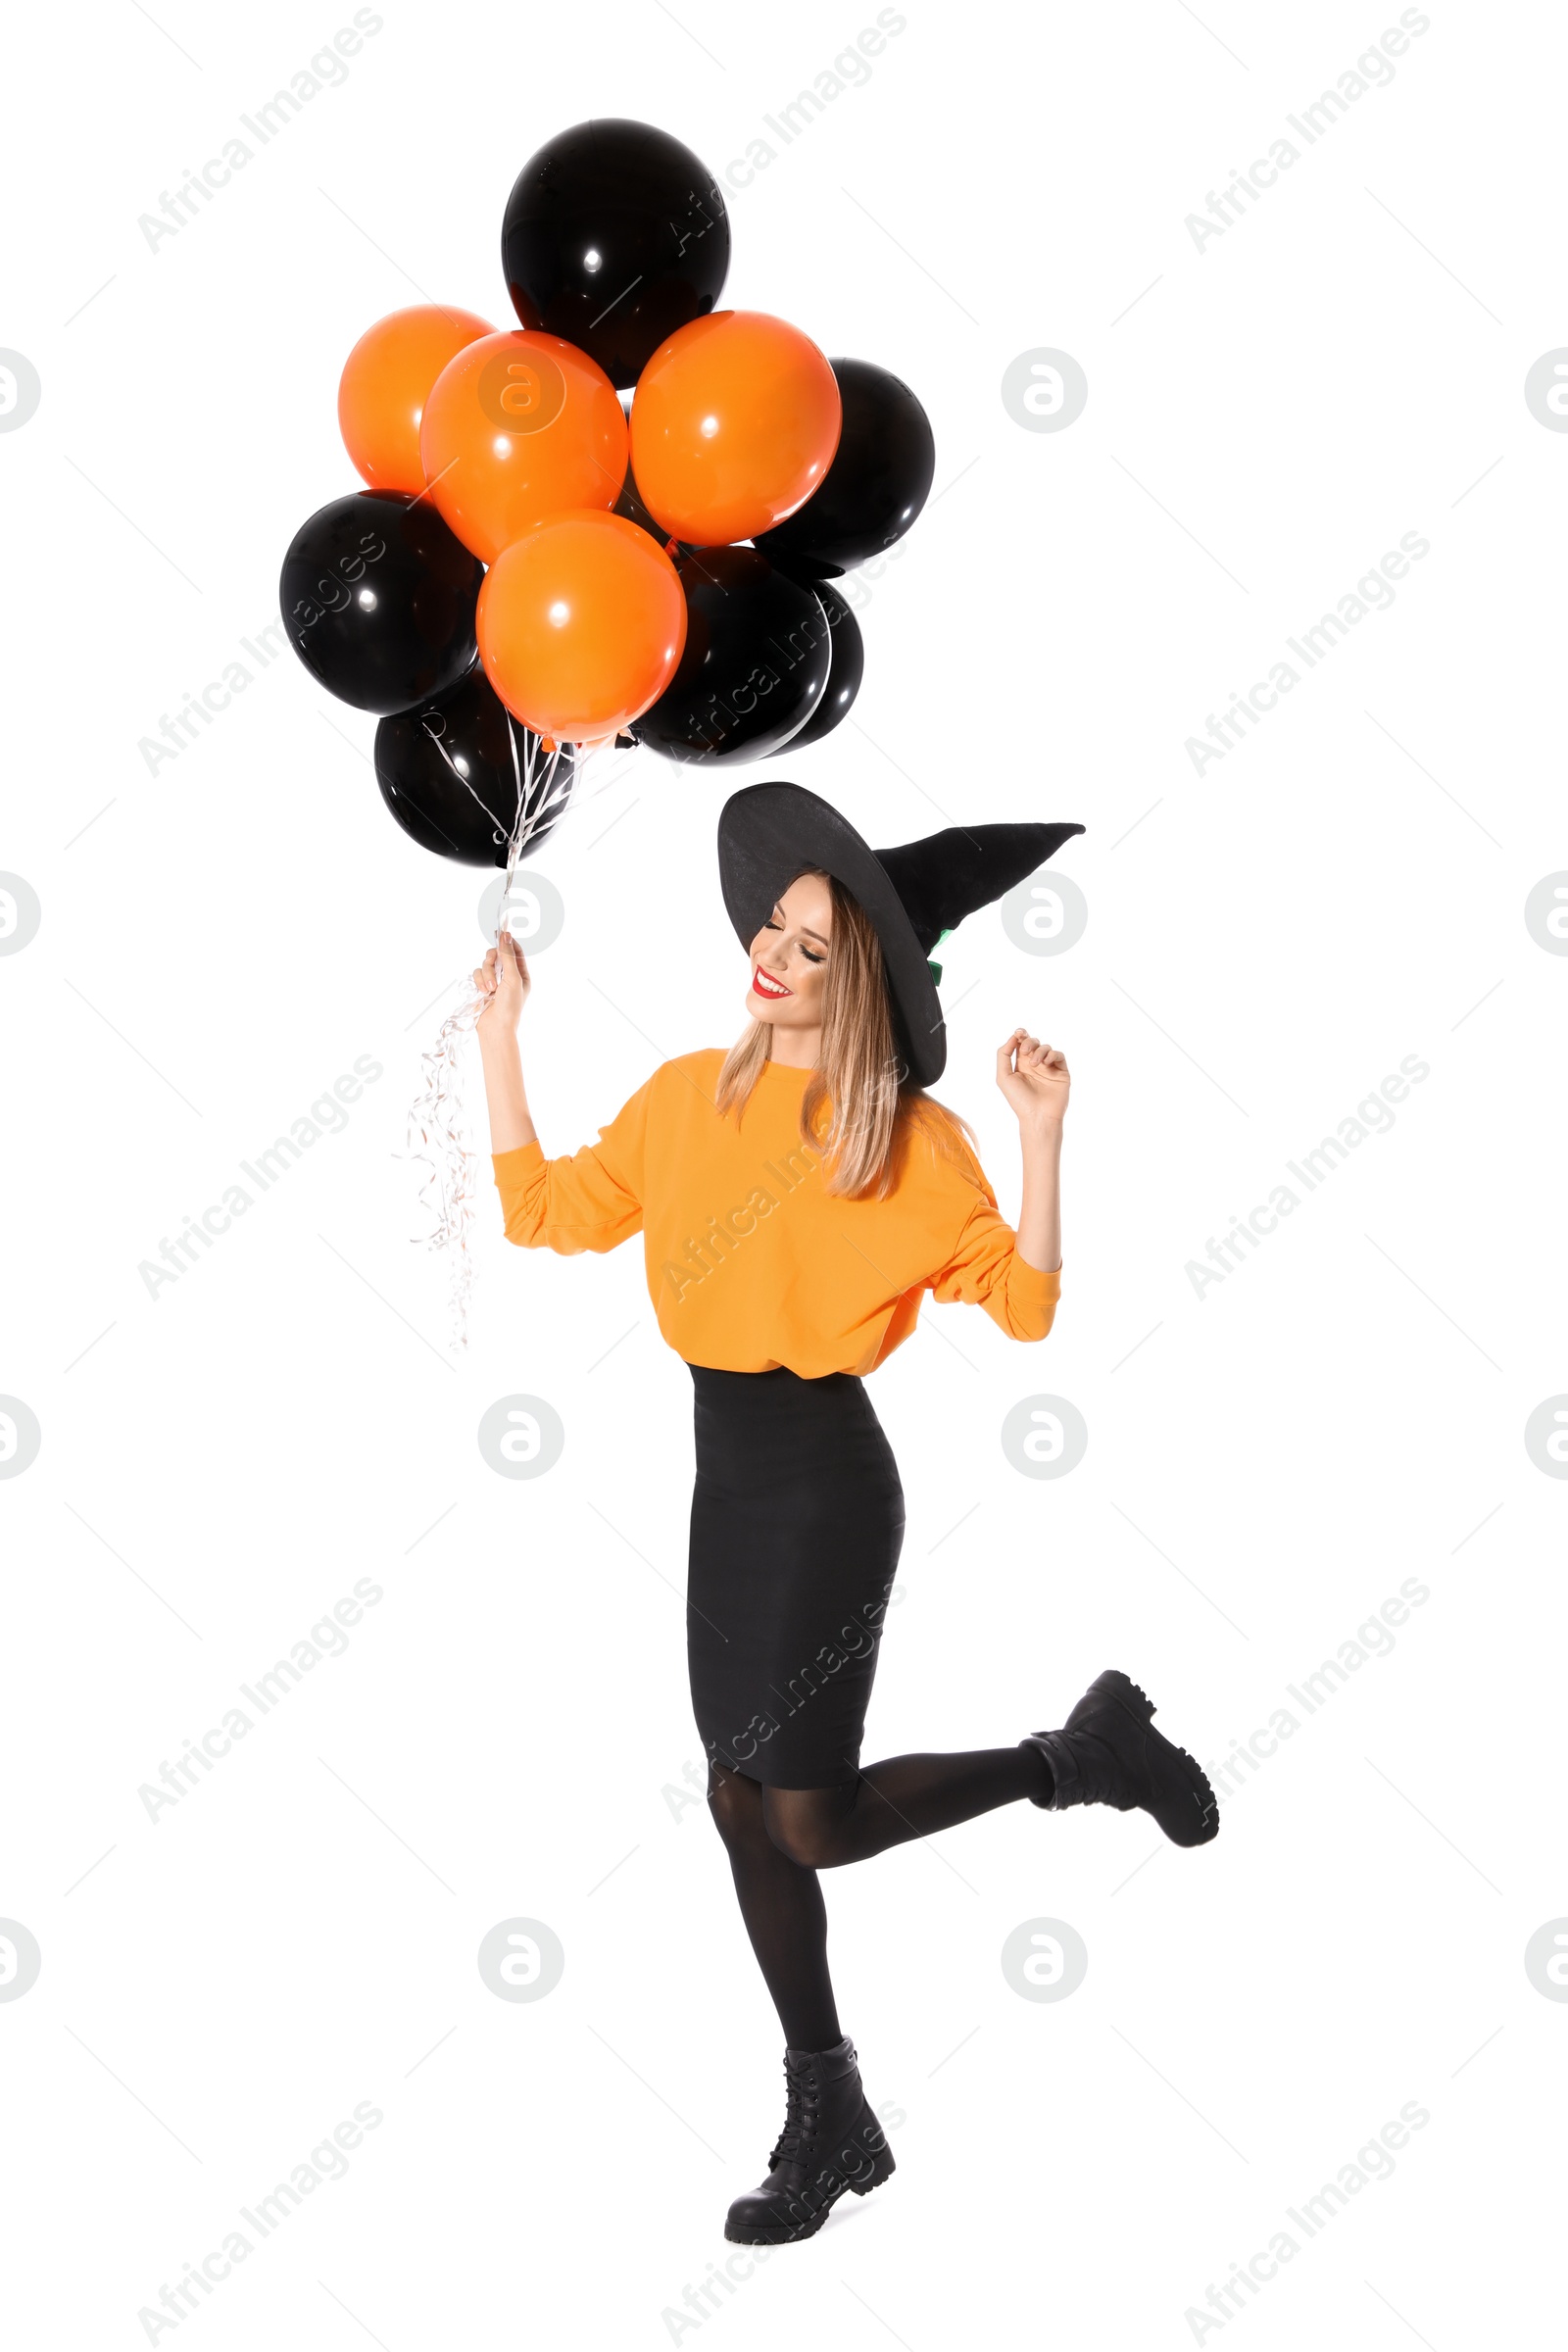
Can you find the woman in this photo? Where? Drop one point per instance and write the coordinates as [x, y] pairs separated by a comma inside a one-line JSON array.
[[796, 1196]]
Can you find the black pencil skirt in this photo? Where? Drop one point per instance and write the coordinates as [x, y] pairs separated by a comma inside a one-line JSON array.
[[797, 1521]]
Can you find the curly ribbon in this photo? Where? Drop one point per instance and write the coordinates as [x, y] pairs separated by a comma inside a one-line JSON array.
[[439, 1130]]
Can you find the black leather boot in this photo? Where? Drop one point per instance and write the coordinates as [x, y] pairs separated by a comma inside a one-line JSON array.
[[831, 2142], [1108, 1752]]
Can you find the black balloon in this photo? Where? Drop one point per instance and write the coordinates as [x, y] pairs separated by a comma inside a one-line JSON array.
[[847, 669], [377, 598], [630, 505], [754, 667], [450, 773], [630, 501], [614, 235], [878, 481]]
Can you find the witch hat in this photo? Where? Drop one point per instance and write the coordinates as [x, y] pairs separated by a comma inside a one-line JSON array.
[[914, 893]]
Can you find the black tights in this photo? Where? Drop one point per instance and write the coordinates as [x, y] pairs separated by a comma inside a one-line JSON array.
[[779, 1839]]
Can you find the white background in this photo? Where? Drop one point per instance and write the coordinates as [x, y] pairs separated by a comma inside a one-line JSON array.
[[1266, 941]]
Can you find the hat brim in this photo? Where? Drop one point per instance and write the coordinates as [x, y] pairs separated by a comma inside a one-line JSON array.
[[766, 834]]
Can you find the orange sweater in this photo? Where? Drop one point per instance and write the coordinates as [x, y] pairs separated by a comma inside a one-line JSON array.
[[750, 1262]]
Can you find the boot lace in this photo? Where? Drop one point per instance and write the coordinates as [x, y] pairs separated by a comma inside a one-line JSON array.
[[803, 2100], [1105, 1775]]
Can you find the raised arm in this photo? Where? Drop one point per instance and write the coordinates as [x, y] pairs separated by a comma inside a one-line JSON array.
[[1035, 1079], [1016, 1276], [591, 1199], [505, 981]]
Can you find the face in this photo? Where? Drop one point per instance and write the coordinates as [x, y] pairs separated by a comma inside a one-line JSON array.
[[789, 957]]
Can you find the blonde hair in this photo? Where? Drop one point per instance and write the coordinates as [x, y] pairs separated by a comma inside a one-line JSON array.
[[873, 1109]]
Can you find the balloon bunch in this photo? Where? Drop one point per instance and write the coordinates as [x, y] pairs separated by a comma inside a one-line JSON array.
[[549, 556], [537, 565]]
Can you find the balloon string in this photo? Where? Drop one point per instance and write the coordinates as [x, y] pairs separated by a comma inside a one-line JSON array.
[[439, 1130], [456, 770]]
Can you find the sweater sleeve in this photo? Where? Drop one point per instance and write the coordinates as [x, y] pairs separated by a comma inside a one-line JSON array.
[[984, 1269], [590, 1199]]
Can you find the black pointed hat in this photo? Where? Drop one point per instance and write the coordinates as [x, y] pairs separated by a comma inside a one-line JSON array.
[[913, 894]]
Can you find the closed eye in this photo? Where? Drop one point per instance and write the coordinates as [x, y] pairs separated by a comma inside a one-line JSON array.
[[773, 924]]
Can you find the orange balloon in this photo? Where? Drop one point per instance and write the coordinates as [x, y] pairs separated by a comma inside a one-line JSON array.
[[581, 623], [733, 424], [519, 426], [386, 382]]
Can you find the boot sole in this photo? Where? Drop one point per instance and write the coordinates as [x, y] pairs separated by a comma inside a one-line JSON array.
[[881, 2164], [1203, 1824]]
